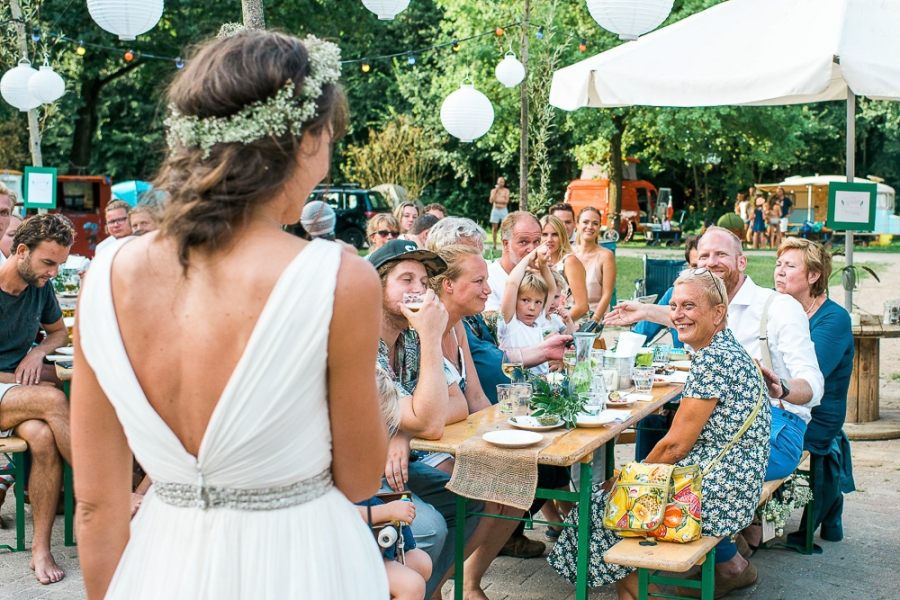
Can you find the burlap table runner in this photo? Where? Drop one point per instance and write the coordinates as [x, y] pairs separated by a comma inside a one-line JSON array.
[[494, 474]]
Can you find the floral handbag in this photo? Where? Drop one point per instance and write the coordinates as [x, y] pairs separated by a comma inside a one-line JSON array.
[[663, 501]]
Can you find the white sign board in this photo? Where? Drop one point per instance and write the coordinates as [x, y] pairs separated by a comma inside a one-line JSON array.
[[851, 207]]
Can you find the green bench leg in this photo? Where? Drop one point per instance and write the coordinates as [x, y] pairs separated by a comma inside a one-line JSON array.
[[69, 505], [707, 583], [584, 529], [20, 503], [460, 547]]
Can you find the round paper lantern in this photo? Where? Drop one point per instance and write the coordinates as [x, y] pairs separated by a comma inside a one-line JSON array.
[[14, 86], [386, 9], [510, 71], [629, 18], [46, 85], [126, 18], [467, 113]]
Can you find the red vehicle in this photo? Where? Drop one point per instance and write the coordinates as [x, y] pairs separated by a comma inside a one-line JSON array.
[[83, 199], [638, 203]]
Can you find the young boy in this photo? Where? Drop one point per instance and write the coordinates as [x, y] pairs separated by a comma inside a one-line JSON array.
[[556, 318], [523, 304]]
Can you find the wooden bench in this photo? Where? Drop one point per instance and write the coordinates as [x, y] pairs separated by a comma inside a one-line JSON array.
[[9, 446], [649, 560]]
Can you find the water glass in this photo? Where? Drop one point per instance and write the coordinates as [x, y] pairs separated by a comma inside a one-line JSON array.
[[594, 403], [521, 399], [644, 357], [661, 353], [505, 398], [643, 379], [610, 378]]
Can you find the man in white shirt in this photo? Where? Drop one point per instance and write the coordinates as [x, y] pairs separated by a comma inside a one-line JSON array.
[[116, 224], [520, 233], [795, 381]]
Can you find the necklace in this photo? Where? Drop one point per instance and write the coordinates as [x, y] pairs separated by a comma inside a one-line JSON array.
[[811, 304]]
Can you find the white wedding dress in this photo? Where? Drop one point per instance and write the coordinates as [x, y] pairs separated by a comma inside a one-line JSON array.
[[255, 515]]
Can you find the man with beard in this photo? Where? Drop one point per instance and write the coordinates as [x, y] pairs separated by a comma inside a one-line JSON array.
[[520, 233], [31, 407]]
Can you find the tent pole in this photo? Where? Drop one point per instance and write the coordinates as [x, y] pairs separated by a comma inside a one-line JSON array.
[[851, 173], [809, 204]]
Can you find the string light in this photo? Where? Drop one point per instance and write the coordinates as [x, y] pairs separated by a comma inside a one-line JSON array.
[[365, 67], [583, 45], [35, 36], [80, 50], [540, 33], [455, 46], [179, 63], [411, 59], [499, 31], [129, 56]]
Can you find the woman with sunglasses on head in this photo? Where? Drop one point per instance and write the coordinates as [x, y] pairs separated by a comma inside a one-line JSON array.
[[563, 259], [599, 263], [723, 392], [381, 229]]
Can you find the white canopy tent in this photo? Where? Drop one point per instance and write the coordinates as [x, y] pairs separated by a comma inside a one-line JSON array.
[[750, 52]]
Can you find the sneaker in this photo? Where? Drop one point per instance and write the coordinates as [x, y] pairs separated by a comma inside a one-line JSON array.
[[520, 546], [724, 585]]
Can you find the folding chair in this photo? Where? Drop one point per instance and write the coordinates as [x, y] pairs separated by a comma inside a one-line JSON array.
[[659, 275]]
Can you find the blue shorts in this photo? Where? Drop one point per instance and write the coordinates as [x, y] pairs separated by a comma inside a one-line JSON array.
[[786, 443]]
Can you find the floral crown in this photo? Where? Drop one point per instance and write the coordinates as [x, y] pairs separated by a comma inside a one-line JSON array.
[[286, 111]]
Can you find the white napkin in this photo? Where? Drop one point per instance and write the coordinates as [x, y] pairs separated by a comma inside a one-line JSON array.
[[629, 343]]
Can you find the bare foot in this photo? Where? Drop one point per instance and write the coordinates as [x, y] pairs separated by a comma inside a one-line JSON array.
[[45, 568], [476, 594]]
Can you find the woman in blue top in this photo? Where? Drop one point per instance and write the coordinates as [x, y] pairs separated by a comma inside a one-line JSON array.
[[802, 270]]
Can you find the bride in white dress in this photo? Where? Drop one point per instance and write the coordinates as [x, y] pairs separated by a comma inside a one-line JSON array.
[[236, 361]]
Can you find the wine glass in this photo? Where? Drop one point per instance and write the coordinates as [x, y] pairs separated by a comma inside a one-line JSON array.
[[513, 365]]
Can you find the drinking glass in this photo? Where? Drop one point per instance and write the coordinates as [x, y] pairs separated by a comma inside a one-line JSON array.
[[505, 398], [661, 353], [413, 302], [513, 365], [643, 379], [594, 403], [521, 399], [644, 357]]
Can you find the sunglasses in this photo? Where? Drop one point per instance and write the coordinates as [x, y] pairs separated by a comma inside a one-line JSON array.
[[703, 270], [385, 233]]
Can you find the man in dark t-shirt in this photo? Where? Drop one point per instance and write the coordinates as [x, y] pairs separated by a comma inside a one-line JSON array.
[[31, 406]]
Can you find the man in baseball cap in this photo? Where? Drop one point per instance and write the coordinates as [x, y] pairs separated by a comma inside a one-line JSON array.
[[406, 250]]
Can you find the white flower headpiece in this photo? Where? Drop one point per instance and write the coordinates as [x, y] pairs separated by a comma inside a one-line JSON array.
[[286, 111]]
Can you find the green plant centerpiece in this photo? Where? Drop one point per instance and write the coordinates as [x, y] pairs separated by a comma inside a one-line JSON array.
[[560, 394]]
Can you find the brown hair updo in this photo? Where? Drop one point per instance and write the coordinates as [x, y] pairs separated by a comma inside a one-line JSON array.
[[211, 197]]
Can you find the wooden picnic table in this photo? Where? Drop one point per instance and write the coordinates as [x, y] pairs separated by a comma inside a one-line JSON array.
[[576, 446], [863, 396]]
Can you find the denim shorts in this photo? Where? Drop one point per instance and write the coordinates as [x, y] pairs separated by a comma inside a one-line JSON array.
[[786, 443]]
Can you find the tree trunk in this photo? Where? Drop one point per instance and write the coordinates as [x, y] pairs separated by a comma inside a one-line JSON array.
[[34, 132], [254, 14], [615, 174], [523, 134]]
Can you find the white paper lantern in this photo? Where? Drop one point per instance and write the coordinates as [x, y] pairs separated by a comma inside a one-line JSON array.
[[630, 18], [467, 113], [386, 9], [126, 18], [510, 71], [14, 86], [46, 85]]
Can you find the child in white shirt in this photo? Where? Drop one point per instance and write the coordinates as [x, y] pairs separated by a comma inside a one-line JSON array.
[[556, 319], [523, 304]]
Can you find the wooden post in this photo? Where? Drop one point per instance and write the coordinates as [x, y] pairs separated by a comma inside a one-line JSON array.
[[254, 14], [863, 395], [34, 132], [851, 174], [523, 134]]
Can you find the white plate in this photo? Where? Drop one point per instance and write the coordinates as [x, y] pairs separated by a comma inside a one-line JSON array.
[[56, 357], [606, 416], [623, 403], [682, 364], [512, 439], [532, 424], [68, 295], [66, 350]]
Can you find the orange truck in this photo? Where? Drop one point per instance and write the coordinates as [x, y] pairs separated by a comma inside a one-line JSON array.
[[639, 203]]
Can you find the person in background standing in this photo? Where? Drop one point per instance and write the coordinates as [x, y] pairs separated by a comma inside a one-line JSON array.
[[742, 208], [406, 214], [500, 202], [787, 209], [759, 221], [773, 218]]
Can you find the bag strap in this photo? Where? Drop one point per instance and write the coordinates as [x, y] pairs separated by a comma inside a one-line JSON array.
[[764, 333], [747, 423]]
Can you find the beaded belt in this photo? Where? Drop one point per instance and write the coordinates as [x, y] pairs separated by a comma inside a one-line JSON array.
[[187, 495]]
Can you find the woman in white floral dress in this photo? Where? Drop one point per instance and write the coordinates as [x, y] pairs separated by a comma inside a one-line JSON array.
[[721, 392]]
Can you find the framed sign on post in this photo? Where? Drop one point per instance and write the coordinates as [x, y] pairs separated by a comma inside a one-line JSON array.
[[39, 187], [851, 206]]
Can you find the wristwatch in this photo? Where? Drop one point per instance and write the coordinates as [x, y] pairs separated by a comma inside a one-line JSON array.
[[785, 388]]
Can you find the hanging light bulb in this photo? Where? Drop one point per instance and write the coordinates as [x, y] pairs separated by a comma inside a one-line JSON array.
[[386, 9], [46, 85], [179, 63], [129, 56], [540, 33], [467, 114], [14, 86], [455, 46], [499, 31], [583, 45], [35, 35], [365, 67], [629, 18], [80, 50], [126, 18], [510, 72], [410, 58]]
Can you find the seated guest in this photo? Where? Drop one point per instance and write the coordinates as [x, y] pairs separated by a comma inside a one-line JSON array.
[[418, 233], [562, 258], [520, 233], [7, 201], [6, 240], [722, 392], [318, 220], [116, 224], [523, 304], [381, 229], [406, 214], [144, 218], [556, 318], [435, 209], [565, 213], [456, 230], [31, 407], [599, 262], [802, 270]]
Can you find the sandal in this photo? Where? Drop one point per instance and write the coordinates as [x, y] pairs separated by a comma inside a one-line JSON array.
[[552, 532]]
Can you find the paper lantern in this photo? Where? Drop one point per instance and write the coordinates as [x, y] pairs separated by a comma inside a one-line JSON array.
[[14, 86], [629, 18], [510, 71], [46, 85], [467, 113], [386, 9], [126, 18]]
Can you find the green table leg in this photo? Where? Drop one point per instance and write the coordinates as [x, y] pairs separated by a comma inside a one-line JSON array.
[[20, 503], [69, 504], [584, 530], [460, 547]]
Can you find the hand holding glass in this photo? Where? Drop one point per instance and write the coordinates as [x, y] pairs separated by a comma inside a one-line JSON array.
[[513, 365]]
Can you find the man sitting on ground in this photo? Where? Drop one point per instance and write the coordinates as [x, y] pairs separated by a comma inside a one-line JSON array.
[[31, 407]]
